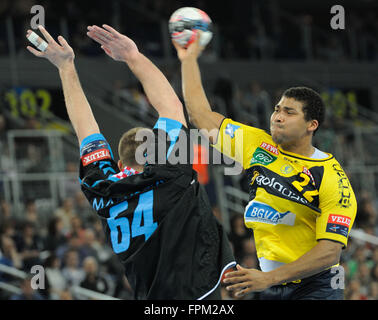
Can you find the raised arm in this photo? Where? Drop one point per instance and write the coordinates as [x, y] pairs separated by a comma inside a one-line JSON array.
[[157, 88], [62, 56], [196, 102]]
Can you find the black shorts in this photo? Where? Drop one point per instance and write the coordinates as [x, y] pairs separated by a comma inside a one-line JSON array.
[[215, 295], [316, 287]]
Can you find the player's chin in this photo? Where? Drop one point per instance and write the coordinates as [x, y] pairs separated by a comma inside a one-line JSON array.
[[277, 138]]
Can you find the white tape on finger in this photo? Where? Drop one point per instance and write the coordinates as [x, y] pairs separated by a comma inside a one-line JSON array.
[[33, 38], [43, 46]]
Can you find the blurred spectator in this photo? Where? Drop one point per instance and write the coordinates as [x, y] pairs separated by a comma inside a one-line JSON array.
[[374, 257], [96, 245], [98, 230], [66, 212], [363, 275], [7, 228], [95, 280], [353, 291], [366, 212], [71, 187], [31, 213], [77, 230], [357, 259], [55, 236], [6, 211], [8, 250], [72, 271], [28, 293], [374, 272], [7, 166], [55, 282], [75, 244], [34, 162], [90, 245], [29, 244], [373, 291], [83, 209], [9, 255]]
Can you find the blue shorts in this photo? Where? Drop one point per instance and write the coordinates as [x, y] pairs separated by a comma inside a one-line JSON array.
[[316, 287]]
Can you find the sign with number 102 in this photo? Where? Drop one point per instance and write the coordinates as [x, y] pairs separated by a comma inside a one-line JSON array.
[[25, 102]]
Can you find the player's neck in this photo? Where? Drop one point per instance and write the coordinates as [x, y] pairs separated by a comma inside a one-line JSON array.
[[301, 147], [138, 168]]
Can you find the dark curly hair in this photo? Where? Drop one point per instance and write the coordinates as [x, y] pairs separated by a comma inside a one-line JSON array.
[[313, 105]]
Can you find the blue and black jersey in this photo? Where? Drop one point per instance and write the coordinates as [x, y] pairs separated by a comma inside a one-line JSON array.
[[159, 222]]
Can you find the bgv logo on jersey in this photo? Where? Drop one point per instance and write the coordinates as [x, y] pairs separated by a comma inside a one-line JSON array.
[[97, 155], [261, 212], [338, 224]]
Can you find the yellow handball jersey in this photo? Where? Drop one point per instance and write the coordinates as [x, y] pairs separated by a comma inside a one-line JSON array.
[[294, 200]]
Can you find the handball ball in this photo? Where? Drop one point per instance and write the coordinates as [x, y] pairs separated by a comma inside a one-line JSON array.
[[184, 24]]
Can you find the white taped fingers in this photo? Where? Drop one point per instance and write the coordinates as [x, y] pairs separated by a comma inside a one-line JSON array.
[[43, 46], [33, 38]]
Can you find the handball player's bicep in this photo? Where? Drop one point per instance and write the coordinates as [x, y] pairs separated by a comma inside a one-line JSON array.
[[209, 122]]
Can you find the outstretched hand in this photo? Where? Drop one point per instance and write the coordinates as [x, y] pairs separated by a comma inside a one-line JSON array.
[[58, 54], [116, 45], [193, 51]]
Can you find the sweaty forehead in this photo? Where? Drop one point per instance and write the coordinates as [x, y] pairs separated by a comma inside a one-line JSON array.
[[290, 103]]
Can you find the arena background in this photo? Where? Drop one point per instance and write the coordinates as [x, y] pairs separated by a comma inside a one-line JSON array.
[[259, 49]]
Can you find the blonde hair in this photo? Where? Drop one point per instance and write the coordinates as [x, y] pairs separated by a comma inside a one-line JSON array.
[[127, 146]]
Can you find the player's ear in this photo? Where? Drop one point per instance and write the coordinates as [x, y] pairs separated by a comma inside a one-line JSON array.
[[313, 125], [120, 165]]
